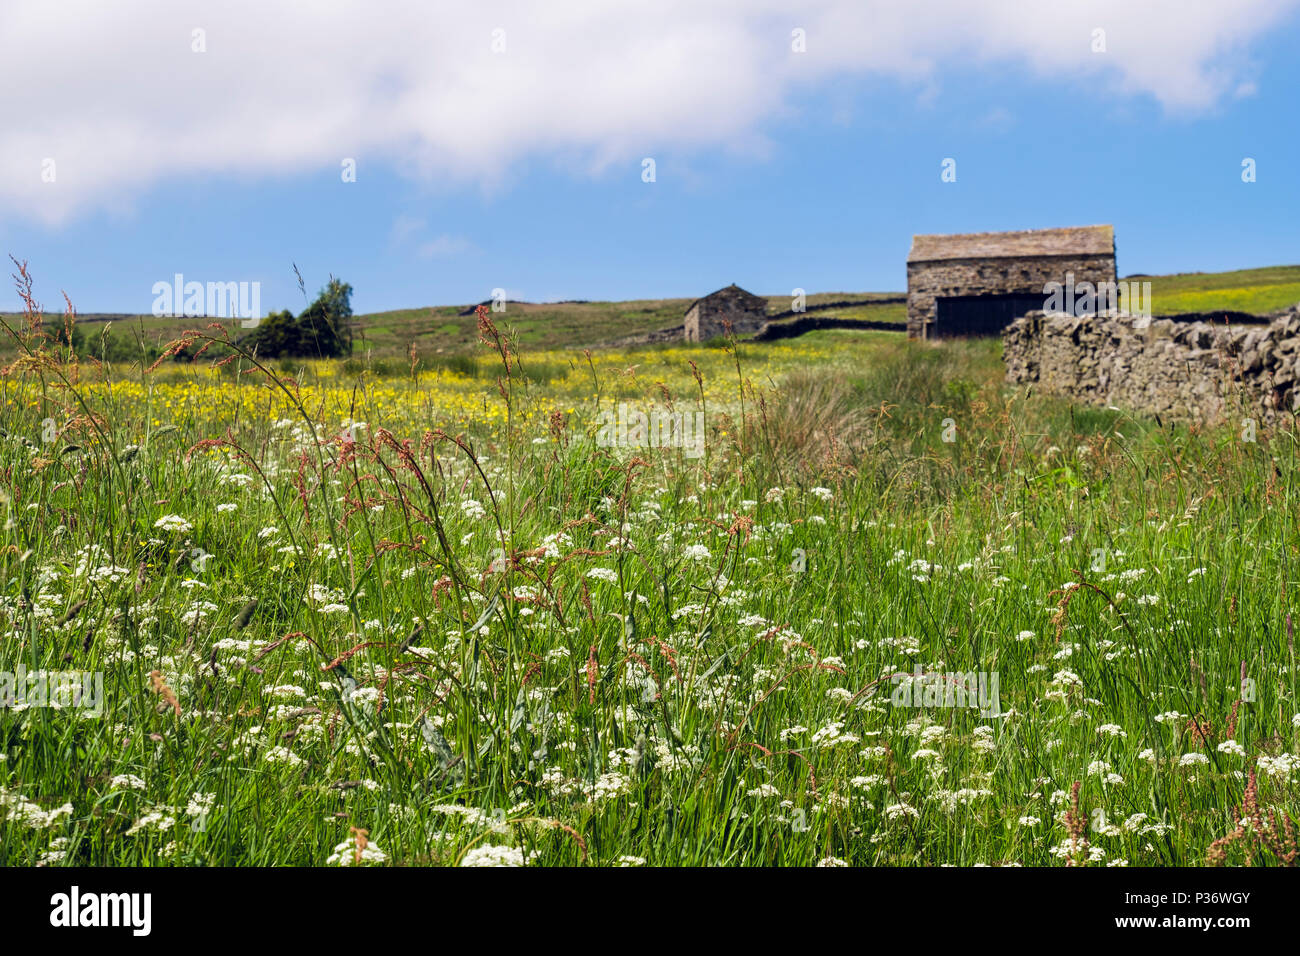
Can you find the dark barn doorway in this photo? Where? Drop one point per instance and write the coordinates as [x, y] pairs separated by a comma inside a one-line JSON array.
[[960, 316]]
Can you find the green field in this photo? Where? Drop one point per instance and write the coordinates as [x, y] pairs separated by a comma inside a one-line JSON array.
[[451, 619], [1249, 290], [440, 330]]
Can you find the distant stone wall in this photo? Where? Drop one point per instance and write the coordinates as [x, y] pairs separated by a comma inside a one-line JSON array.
[[676, 333], [790, 328], [1185, 370], [928, 281]]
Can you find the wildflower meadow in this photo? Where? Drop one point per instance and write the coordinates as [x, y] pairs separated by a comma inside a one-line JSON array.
[[886, 611]]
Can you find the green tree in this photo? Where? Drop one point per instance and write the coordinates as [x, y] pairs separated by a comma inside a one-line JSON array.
[[323, 330]]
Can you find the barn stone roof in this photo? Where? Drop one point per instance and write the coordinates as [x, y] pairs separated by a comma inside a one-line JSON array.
[[1070, 241], [733, 294]]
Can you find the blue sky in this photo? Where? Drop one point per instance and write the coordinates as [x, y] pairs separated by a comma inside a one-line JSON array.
[[815, 179]]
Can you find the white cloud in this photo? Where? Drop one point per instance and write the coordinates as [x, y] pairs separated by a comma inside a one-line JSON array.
[[113, 93], [405, 227], [410, 232], [443, 247], [1000, 119]]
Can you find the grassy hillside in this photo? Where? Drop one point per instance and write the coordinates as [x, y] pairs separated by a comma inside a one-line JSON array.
[[1248, 290], [443, 330]]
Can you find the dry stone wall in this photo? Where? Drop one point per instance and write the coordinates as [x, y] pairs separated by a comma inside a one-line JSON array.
[[1193, 371]]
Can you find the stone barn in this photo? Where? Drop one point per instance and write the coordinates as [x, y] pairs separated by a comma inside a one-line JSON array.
[[745, 311], [977, 283]]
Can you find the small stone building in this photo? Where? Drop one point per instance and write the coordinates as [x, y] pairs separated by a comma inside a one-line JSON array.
[[977, 283], [745, 311]]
